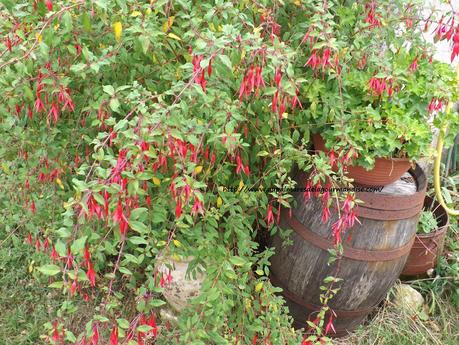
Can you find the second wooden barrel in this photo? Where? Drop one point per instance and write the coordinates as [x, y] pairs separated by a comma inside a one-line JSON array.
[[374, 255]]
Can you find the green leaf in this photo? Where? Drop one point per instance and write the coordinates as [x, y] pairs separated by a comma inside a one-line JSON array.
[[109, 89], [137, 240], [49, 270], [114, 104], [145, 43], [144, 328], [237, 261], [123, 323], [78, 245], [124, 270], [138, 226], [226, 61], [156, 303]]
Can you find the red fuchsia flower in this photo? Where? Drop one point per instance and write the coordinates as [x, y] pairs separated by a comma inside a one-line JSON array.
[[37, 244], [361, 64], [93, 207], [296, 101], [33, 208], [282, 108], [414, 65], [378, 86], [348, 203], [277, 77], [120, 218], [372, 16], [317, 189], [450, 32], [209, 68], [435, 105], [152, 323], [148, 200], [325, 214], [53, 112], [95, 335], [73, 287], [53, 255], [307, 192], [197, 207], [39, 106], [350, 219], [69, 262], [330, 326], [326, 58], [46, 245], [114, 336], [274, 102], [86, 255], [390, 89], [49, 5], [56, 336], [314, 60], [337, 228], [455, 44], [91, 274], [106, 202], [269, 216], [9, 45], [178, 209], [441, 29], [29, 238]]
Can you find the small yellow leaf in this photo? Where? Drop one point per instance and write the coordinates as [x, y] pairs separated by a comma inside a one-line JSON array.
[[147, 12], [219, 202], [176, 257], [220, 28], [174, 36], [59, 183], [168, 24], [177, 243], [212, 27], [259, 286], [198, 169], [241, 185], [156, 181], [298, 2], [56, 26], [39, 38], [136, 13], [117, 30]]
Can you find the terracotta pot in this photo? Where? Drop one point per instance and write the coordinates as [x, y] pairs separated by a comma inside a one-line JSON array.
[[427, 248], [385, 171]]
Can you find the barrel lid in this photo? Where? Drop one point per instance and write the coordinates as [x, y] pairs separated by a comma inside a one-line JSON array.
[[400, 200]]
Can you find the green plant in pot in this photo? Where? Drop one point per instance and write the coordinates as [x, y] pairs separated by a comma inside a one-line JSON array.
[[430, 238], [374, 107]]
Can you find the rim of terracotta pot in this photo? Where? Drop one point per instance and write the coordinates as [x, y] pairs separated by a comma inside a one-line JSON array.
[[325, 149]]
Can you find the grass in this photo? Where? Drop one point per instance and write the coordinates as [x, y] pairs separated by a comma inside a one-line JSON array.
[[394, 326], [25, 305]]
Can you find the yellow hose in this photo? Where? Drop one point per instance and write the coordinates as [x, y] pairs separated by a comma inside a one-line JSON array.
[[441, 139]]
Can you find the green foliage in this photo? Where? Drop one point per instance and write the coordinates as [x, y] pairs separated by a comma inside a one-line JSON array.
[[133, 131], [427, 222]]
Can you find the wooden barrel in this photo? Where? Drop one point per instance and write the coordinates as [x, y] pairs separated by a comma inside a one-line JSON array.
[[374, 253]]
